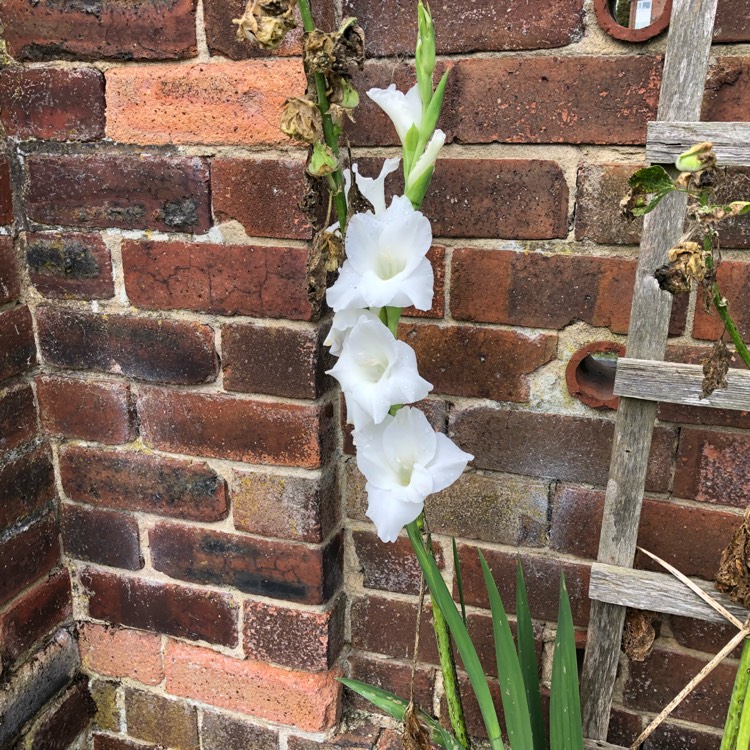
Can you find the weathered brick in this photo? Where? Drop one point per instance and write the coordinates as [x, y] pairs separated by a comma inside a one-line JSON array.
[[575, 449], [27, 483], [238, 429], [733, 278], [306, 700], [436, 256], [713, 467], [149, 191], [35, 615], [6, 193], [727, 96], [299, 640], [670, 736], [502, 286], [163, 608], [105, 742], [10, 283], [64, 104], [223, 103], [130, 481], [288, 507], [469, 25], [221, 732], [363, 736], [151, 349], [118, 652], [18, 350], [700, 635], [69, 266], [493, 364], [255, 566], [225, 279], [18, 421], [278, 361], [699, 415], [100, 536], [262, 194], [167, 723], [95, 410], [141, 30], [104, 695], [28, 554], [732, 23]]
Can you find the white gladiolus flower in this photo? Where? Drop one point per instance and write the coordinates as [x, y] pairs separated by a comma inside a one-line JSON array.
[[341, 326], [404, 110], [404, 460], [428, 158], [386, 263], [377, 371], [372, 188]]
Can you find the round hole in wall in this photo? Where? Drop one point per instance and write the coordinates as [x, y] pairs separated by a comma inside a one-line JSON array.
[[590, 374], [633, 20]]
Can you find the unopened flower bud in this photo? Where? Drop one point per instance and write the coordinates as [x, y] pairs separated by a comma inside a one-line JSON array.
[[697, 158], [344, 94], [322, 161], [425, 56], [301, 120]]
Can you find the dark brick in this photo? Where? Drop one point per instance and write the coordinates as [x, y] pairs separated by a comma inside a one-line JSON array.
[[100, 536], [6, 193], [237, 429], [221, 732], [363, 736], [27, 483], [733, 279], [732, 22], [99, 411], [162, 608], [676, 737], [63, 104], [69, 266], [169, 194], [699, 635], [694, 355], [699, 415], [727, 96], [18, 421], [104, 694], [713, 467], [262, 194], [141, 30], [167, 723], [287, 507], [292, 572], [17, 350], [225, 279], [26, 555], [130, 481], [10, 283], [574, 449], [436, 256], [105, 742], [161, 351], [496, 286], [299, 640], [479, 362], [35, 615]]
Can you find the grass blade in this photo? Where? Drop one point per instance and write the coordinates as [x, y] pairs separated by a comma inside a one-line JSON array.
[[528, 661], [512, 688], [459, 579]]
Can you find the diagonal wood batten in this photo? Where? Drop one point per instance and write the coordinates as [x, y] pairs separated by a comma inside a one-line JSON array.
[[685, 68]]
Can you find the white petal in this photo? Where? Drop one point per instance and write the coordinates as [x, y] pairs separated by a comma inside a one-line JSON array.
[[428, 158], [408, 236], [374, 189], [409, 438], [389, 514], [399, 107], [345, 293], [413, 100], [418, 288], [405, 384], [448, 464], [358, 418], [341, 325], [362, 240]]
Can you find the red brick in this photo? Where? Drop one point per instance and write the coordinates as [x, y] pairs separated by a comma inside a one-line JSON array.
[[27, 483], [727, 95], [436, 256], [142, 30], [546, 291], [6, 193], [168, 723], [10, 283], [169, 194], [255, 566], [151, 349], [288, 507], [18, 421], [699, 415], [220, 731], [713, 467], [69, 266], [469, 25], [732, 22], [262, 194], [130, 481], [694, 355], [479, 362], [236, 429], [224, 103], [472, 713], [26, 555], [301, 699], [273, 360], [95, 410], [18, 350], [268, 282], [35, 615], [121, 653], [164, 608], [100, 536], [63, 104], [560, 447], [299, 640], [733, 279]]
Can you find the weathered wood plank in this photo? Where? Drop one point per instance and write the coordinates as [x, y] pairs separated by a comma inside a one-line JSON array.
[[657, 592], [667, 140], [679, 384], [600, 745]]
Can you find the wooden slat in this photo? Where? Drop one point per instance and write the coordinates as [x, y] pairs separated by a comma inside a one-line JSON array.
[[679, 384], [657, 592], [667, 140], [600, 745]]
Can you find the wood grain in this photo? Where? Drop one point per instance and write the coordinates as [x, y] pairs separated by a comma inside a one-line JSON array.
[[667, 140]]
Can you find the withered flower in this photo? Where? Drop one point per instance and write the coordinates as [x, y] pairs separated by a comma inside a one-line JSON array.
[[687, 263], [349, 46], [715, 368], [301, 120], [319, 51], [414, 736], [322, 160], [266, 21]]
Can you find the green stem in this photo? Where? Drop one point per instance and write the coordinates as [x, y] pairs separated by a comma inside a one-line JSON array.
[[737, 701], [339, 198]]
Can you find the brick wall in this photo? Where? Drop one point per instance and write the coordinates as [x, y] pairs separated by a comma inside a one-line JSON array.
[[155, 312]]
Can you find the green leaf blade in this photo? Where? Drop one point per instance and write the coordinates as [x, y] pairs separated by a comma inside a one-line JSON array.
[[459, 579]]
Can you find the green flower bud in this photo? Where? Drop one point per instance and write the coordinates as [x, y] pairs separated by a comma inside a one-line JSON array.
[[322, 161], [425, 53], [697, 158], [346, 95]]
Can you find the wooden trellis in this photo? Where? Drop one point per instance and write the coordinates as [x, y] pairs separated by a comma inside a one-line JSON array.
[[643, 378]]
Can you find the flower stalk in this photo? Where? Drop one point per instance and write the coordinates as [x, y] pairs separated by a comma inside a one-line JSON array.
[[739, 704]]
